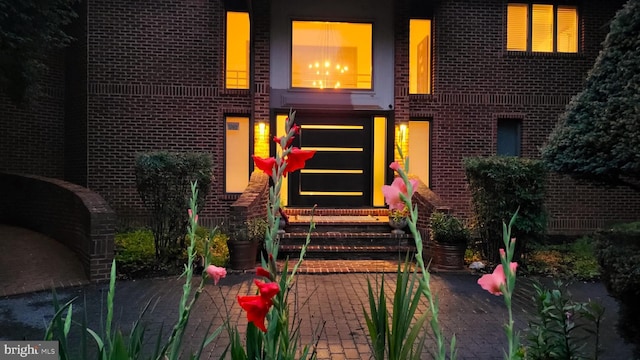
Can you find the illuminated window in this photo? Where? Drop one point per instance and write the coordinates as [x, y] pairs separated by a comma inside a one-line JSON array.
[[236, 148], [237, 51], [331, 55], [419, 56], [542, 28]]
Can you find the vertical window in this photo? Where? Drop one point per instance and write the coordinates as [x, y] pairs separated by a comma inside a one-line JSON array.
[[542, 28], [419, 137], [567, 29], [331, 55], [237, 50], [509, 137], [419, 56], [236, 148], [517, 20]]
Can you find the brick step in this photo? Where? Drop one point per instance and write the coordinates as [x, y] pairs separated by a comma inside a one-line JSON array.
[[291, 212], [347, 246], [348, 223], [347, 252], [346, 239], [340, 227]]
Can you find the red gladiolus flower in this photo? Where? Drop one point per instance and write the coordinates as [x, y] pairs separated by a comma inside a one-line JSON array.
[[257, 308], [296, 128], [267, 290], [493, 282], [265, 165], [297, 158], [260, 271], [278, 141]]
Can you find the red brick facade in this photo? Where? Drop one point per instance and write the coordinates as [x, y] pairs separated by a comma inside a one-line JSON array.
[[149, 75]]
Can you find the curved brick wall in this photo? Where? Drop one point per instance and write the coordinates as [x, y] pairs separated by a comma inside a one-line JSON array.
[[71, 214]]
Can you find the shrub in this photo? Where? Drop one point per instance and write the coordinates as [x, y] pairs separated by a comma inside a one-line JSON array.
[[500, 185], [555, 330], [618, 252], [575, 260], [135, 254], [447, 229], [163, 179]]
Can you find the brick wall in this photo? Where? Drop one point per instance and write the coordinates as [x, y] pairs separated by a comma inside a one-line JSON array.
[[75, 216], [75, 127], [477, 82], [156, 83], [32, 135]]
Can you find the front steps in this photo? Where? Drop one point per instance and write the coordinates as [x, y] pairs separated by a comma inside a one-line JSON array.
[[344, 234]]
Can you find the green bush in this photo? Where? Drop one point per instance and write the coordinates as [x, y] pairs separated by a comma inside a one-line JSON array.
[[500, 185], [575, 260], [163, 180], [135, 254], [447, 229], [618, 252]]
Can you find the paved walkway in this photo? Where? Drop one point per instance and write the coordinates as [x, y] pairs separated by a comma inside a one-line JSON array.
[[329, 302]]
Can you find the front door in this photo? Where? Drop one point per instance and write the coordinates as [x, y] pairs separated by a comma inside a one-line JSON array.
[[340, 172]]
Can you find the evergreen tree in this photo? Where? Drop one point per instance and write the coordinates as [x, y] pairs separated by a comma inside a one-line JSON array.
[[29, 31], [598, 137]]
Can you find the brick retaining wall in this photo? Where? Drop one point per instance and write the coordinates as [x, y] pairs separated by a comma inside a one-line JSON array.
[[71, 214]]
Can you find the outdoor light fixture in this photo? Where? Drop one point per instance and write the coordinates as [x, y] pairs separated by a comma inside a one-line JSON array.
[[403, 132]]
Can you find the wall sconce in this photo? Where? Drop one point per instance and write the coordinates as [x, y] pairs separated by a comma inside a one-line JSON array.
[[403, 133], [261, 128]]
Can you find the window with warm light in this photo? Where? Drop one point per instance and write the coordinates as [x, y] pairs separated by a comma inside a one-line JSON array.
[[331, 55], [419, 56], [237, 50], [236, 148], [542, 28]]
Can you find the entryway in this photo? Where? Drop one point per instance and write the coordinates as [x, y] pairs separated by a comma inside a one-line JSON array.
[[340, 173]]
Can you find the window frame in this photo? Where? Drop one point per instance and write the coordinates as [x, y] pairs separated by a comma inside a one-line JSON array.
[[249, 162], [430, 55], [529, 47], [334, 90], [226, 37], [517, 122]]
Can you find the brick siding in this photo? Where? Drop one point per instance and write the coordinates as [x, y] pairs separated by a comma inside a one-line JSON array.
[[149, 75], [477, 82]]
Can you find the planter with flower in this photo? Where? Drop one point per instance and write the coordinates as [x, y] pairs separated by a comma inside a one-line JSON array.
[[243, 246], [449, 238], [398, 211]]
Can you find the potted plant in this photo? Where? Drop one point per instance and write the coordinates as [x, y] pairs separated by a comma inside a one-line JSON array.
[[398, 220], [243, 243], [449, 238]]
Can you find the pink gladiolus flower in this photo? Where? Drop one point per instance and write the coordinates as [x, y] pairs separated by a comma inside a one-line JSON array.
[[392, 193], [395, 166], [191, 214], [493, 282], [216, 273]]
